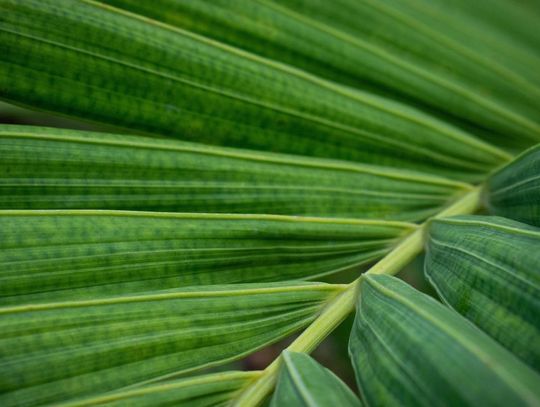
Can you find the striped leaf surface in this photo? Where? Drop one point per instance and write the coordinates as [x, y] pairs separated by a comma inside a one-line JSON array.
[[409, 350], [488, 269], [202, 391], [44, 168], [514, 190], [51, 255], [58, 351], [108, 65], [400, 48], [303, 382]]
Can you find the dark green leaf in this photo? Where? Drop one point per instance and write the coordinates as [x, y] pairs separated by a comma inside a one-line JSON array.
[[409, 350], [105, 64], [304, 383], [51, 168], [57, 351], [514, 190], [487, 269], [401, 48]]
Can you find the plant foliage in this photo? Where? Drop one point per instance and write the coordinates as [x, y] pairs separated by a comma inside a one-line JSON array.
[[245, 149]]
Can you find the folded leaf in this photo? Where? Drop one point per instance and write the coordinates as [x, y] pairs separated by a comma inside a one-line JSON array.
[[409, 350], [56, 351], [514, 190], [201, 391], [54, 169], [487, 269], [303, 382], [107, 65], [52, 255], [400, 48]]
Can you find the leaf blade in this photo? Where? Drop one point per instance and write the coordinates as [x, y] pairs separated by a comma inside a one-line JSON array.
[[221, 96], [204, 390], [407, 349], [56, 169], [486, 269], [57, 351], [303, 382], [402, 50], [84, 254], [514, 190]]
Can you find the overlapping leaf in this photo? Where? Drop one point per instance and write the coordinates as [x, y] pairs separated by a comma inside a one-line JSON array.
[[56, 351], [51, 168], [104, 64], [487, 268], [400, 48], [408, 349], [202, 391], [48, 255], [303, 382], [514, 190], [93, 301]]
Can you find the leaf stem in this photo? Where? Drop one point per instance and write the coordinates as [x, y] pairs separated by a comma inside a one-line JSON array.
[[343, 304]]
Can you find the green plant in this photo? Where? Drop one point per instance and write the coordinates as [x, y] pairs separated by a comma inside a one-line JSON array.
[[128, 262]]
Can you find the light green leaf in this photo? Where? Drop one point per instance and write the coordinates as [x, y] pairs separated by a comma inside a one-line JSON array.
[[514, 190], [51, 168], [303, 382], [108, 65], [52, 255], [55, 351], [402, 48], [409, 350], [200, 391], [487, 269]]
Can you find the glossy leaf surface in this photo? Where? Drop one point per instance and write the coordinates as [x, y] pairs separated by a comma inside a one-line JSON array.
[[107, 65], [408, 349], [54, 169], [57, 351], [487, 269], [303, 382], [514, 190]]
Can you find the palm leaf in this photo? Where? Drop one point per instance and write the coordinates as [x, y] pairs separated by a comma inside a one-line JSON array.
[[514, 190], [201, 391], [399, 48], [487, 269], [303, 382], [408, 349], [107, 299], [53, 168], [71, 255], [55, 351], [155, 78]]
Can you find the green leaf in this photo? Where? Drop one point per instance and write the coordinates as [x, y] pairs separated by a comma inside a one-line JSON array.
[[303, 382], [201, 391], [514, 190], [56, 351], [402, 49], [512, 21], [54, 169], [107, 65], [68, 255], [487, 269], [409, 350]]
